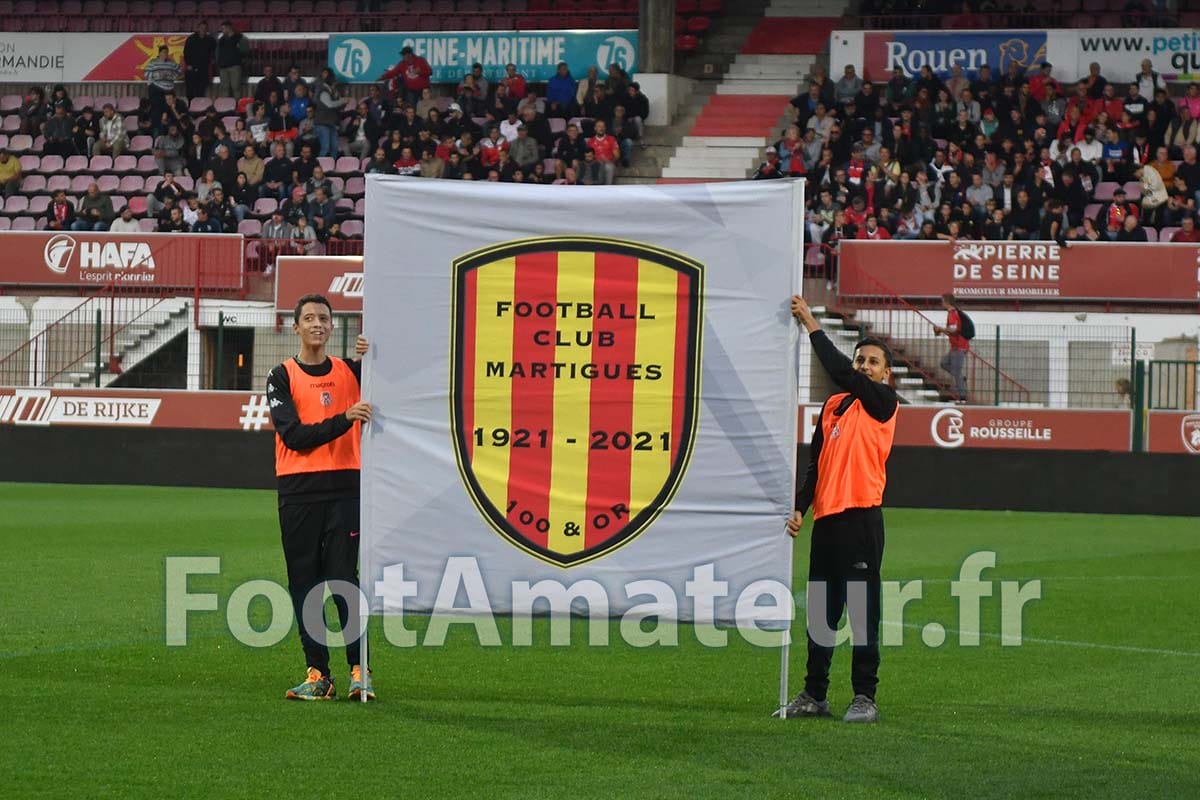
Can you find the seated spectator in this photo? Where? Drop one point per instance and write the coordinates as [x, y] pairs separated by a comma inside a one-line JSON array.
[[267, 85], [306, 130], [872, 230], [524, 150], [10, 173], [243, 197], [112, 138], [95, 211], [125, 223], [174, 223], [1180, 204], [607, 151], [591, 171], [469, 99], [190, 209], [453, 169], [1024, 218], [168, 151], [431, 165], [539, 130], [205, 223], [362, 132], [1115, 164], [407, 163], [1113, 213], [291, 81], [569, 150], [34, 112], [1163, 166], [597, 108], [508, 126], [319, 180], [277, 228], [532, 100], [1131, 230], [848, 86], [299, 104], [239, 137], [1187, 231], [771, 168], [252, 166], [222, 209], [379, 163], [491, 146], [224, 166], [60, 215], [393, 147], [321, 206], [304, 166], [59, 133], [996, 228], [204, 187], [306, 235], [277, 174], [281, 128], [296, 204]]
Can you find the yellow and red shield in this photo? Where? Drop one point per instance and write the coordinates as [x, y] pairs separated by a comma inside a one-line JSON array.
[[575, 380]]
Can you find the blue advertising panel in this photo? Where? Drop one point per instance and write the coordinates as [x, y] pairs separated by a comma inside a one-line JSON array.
[[363, 57]]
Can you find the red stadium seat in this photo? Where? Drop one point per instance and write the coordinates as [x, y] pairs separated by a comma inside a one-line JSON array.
[[56, 182], [31, 184], [146, 225], [17, 204], [74, 164], [686, 43], [24, 224], [108, 183], [80, 183], [132, 184], [699, 25], [100, 164], [10, 103], [51, 164], [124, 165]]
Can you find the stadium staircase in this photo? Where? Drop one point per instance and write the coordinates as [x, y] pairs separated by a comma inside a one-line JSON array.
[[746, 110], [162, 321]]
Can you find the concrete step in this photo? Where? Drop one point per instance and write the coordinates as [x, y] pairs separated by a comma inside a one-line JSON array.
[[724, 141], [772, 86], [732, 173], [627, 180], [683, 162], [767, 72], [717, 154], [806, 8], [770, 58]]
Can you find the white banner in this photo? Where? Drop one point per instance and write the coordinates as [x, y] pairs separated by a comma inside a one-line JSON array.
[[592, 386], [1173, 52], [37, 58]]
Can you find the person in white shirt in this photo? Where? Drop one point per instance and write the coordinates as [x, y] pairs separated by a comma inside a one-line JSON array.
[[1148, 80], [113, 138], [508, 128], [125, 223], [1090, 148]]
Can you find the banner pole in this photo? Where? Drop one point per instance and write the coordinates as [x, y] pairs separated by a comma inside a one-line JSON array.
[[794, 378]]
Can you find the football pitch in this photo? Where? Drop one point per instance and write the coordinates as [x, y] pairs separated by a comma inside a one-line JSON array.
[[1099, 701]]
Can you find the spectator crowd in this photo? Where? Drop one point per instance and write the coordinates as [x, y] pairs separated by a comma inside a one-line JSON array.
[[269, 158], [1021, 155]]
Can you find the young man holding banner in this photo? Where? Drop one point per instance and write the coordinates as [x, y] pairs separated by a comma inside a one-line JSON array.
[[844, 483], [318, 415]]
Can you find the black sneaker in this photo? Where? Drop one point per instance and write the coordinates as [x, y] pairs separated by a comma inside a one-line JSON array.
[[804, 706]]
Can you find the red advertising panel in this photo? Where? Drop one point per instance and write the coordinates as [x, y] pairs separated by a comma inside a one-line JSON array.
[[137, 408], [160, 260], [1173, 432], [952, 427], [339, 278], [1021, 270], [127, 60]]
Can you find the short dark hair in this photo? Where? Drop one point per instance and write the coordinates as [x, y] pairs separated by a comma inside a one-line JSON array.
[[873, 342], [322, 300]]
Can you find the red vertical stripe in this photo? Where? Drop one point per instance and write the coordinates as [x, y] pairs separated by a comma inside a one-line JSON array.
[[683, 324], [467, 362], [612, 399], [536, 281]]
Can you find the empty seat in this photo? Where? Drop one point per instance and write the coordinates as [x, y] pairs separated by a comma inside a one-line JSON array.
[[1166, 233], [38, 204], [264, 206], [127, 105], [10, 103], [355, 187], [24, 224], [1092, 209], [138, 204], [74, 164], [346, 165], [345, 204], [147, 225], [147, 165], [199, 105], [56, 182], [352, 227], [51, 163], [1133, 191], [360, 207], [32, 184], [20, 143], [152, 183], [10, 124], [100, 164], [131, 124], [83, 101], [1105, 189], [249, 227], [108, 183], [124, 164], [326, 163], [141, 144], [225, 105], [80, 183], [132, 184], [29, 163], [17, 204], [5, 224], [186, 182]]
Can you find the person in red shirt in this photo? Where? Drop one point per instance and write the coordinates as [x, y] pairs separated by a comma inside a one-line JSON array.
[[872, 230], [607, 150], [514, 81], [955, 361], [1187, 231], [412, 73], [1039, 82]]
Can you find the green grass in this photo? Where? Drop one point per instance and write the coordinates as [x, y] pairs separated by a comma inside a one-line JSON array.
[[97, 705]]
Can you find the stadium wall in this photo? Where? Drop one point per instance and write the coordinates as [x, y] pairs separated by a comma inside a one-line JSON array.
[[919, 477]]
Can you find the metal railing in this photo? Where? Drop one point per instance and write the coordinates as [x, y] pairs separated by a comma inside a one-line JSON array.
[[261, 253], [1173, 385]]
